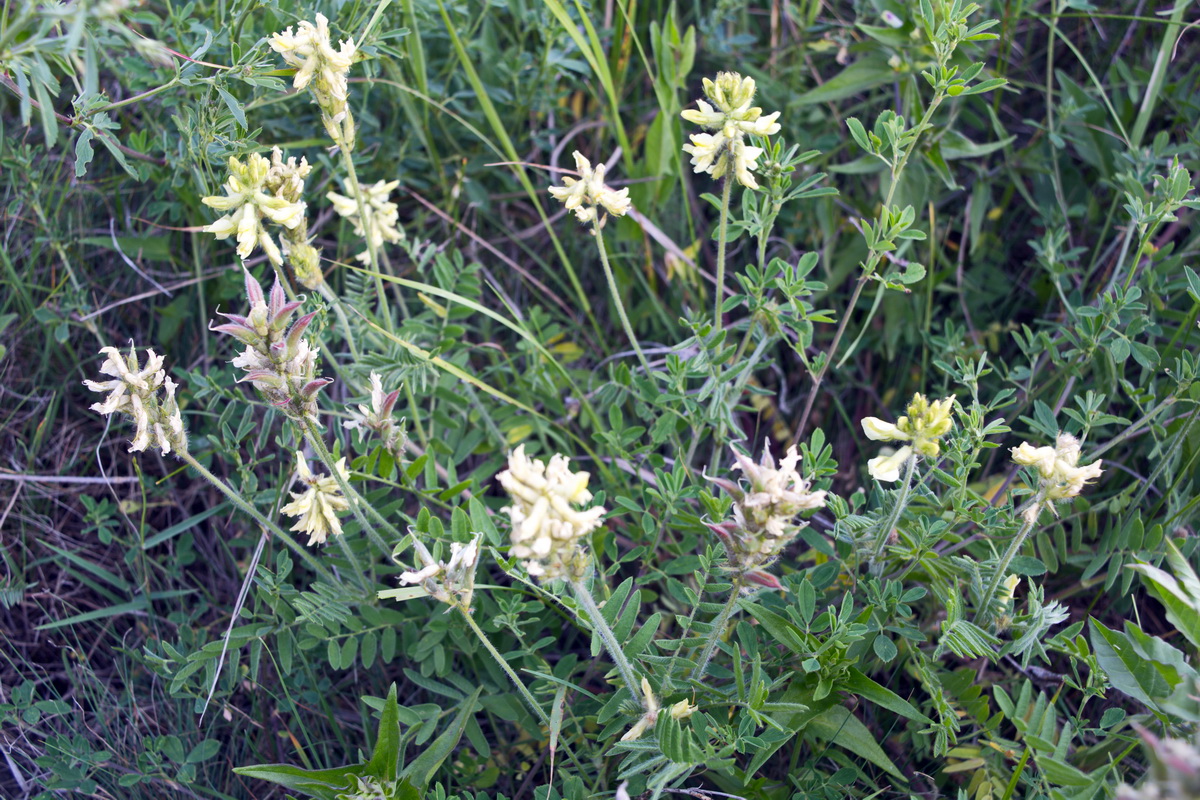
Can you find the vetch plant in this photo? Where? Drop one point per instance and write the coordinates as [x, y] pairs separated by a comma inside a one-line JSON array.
[[134, 392]]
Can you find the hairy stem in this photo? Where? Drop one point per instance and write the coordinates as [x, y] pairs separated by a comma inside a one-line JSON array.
[[714, 633], [1014, 547], [616, 295], [893, 516], [722, 235], [592, 611], [526, 695]]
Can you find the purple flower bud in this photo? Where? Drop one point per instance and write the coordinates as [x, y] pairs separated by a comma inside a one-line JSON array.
[[763, 578], [254, 292], [312, 387]]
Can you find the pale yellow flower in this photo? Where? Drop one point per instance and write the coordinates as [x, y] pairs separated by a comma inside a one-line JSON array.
[[134, 391], [725, 153], [648, 719], [922, 427], [1010, 585], [587, 195], [250, 202], [321, 69], [547, 529], [383, 216], [317, 506], [450, 581], [1058, 468]]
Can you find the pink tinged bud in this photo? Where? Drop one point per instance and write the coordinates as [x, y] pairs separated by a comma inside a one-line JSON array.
[[279, 318], [264, 377], [278, 298], [730, 488], [242, 333], [254, 292], [764, 578], [297, 331], [389, 402], [724, 531], [312, 387]]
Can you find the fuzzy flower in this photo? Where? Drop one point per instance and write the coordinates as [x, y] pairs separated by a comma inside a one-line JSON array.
[[322, 70], [317, 506], [587, 196], [547, 529], [383, 215], [720, 155], [1060, 476], [764, 515], [278, 360], [134, 391], [378, 418], [250, 202], [731, 94], [450, 582], [924, 424], [648, 718], [731, 117]]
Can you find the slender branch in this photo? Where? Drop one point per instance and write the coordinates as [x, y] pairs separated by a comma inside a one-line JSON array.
[[1030, 518], [722, 235], [714, 633], [245, 506], [357, 501], [616, 295], [526, 695], [592, 611], [894, 515]]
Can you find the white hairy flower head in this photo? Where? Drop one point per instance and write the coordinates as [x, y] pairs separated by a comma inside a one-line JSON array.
[[134, 392], [764, 514], [318, 505], [588, 195], [321, 69], [1059, 473], [382, 215], [547, 528], [451, 582]]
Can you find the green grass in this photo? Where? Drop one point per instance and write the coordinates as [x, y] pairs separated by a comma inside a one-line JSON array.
[[1042, 302]]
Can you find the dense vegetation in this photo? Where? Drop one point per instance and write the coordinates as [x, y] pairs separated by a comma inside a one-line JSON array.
[[942, 250]]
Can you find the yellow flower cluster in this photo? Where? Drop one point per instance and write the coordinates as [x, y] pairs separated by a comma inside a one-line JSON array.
[[323, 70], [317, 506], [731, 116], [382, 215], [256, 191], [547, 529], [134, 392], [587, 195], [924, 424], [1058, 468]]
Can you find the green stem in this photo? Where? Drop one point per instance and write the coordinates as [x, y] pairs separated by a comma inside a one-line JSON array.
[[714, 633], [357, 501], [1014, 547], [616, 294], [592, 612], [526, 695], [343, 320], [722, 235], [254, 513], [893, 516], [354, 187]]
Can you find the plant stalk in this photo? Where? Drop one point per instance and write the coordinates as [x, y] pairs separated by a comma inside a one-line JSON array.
[[592, 611], [616, 295], [718, 627]]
